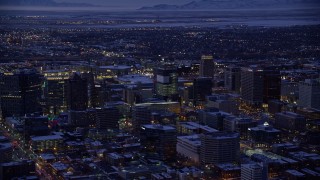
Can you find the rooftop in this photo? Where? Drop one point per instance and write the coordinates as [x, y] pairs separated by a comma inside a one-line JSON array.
[[135, 78], [115, 67], [194, 125], [46, 138], [157, 126], [294, 172], [59, 166], [47, 156], [192, 139], [228, 166]]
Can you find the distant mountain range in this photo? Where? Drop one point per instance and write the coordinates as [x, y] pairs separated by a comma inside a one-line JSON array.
[[49, 3], [236, 4]]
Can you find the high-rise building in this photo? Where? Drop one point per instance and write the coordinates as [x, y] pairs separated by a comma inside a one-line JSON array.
[[309, 94], [265, 134], [91, 91], [201, 88], [77, 98], [239, 125], [140, 115], [252, 85], [35, 124], [219, 147], [158, 142], [206, 66], [271, 84], [85, 118], [290, 121], [107, 118], [232, 78], [289, 91], [189, 146], [20, 92], [166, 78], [252, 171], [223, 102], [56, 90], [213, 118]]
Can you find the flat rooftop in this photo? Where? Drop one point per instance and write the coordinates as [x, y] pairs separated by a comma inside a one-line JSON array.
[[192, 139], [46, 138], [135, 78], [157, 126], [116, 67]]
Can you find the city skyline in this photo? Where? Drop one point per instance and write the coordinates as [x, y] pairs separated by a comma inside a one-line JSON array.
[[202, 90]]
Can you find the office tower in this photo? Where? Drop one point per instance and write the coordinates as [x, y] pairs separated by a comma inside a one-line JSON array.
[[195, 69], [232, 78], [271, 84], [252, 85], [223, 102], [158, 142], [56, 90], [99, 95], [213, 118], [184, 70], [275, 106], [239, 125], [166, 79], [140, 115], [201, 88], [189, 146], [206, 66], [107, 118], [163, 117], [20, 92], [77, 98], [290, 121], [78, 118], [264, 134], [253, 171], [289, 91], [309, 93], [132, 95], [219, 147], [35, 124], [88, 76]]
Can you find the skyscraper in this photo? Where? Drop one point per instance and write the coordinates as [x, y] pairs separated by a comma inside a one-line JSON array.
[[77, 98], [20, 92], [206, 66], [252, 85], [159, 142], [271, 84], [309, 94], [290, 121], [140, 115], [219, 147], [166, 78], [107, 118], [56, 90], [232, 78], [201, 88]]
